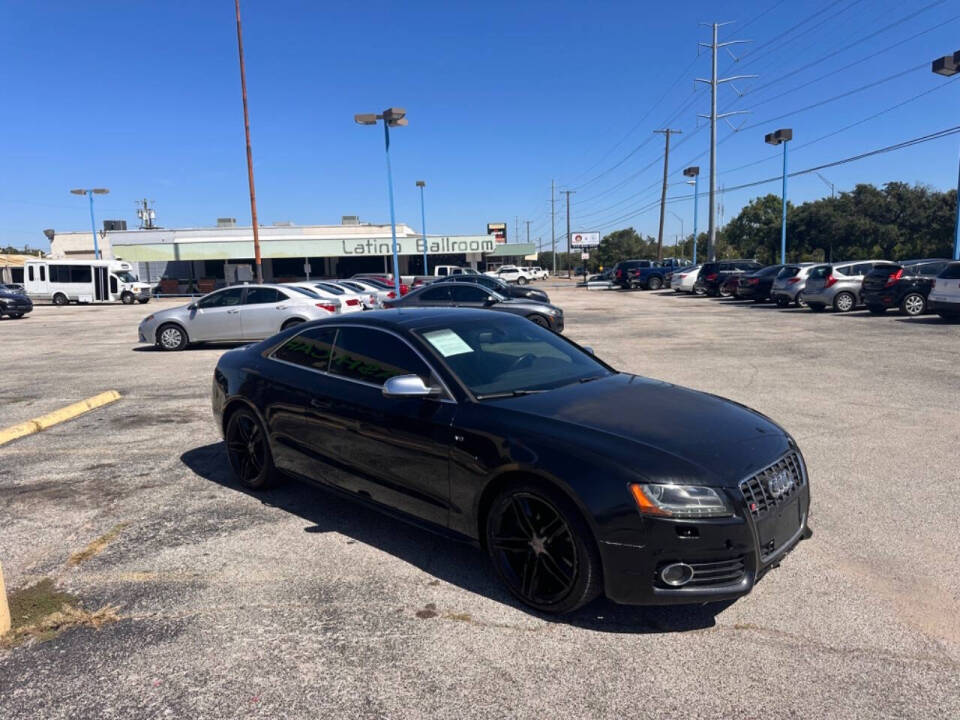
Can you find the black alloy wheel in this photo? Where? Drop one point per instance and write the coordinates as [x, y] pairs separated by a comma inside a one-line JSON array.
[[539, 320], [60, 299], [542, 549], [127, 298], [248, 451]]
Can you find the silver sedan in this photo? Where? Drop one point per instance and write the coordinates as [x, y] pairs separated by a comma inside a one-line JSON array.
[[242, 312]]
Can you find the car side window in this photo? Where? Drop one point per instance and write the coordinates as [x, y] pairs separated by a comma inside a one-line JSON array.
[[435, 294], [374, 356], [310, 349], [468, 293], [933, 269], [263, 296], [224, 298]]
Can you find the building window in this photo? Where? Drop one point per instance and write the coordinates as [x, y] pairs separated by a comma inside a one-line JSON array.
[[213, 269], [289, 267]]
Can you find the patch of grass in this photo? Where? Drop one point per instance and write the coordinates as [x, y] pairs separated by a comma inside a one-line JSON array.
[[97, 546], [41, 611]]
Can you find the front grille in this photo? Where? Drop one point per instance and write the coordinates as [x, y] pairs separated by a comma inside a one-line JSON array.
[[756, 489]]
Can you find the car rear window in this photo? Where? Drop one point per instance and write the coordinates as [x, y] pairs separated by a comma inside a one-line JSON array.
[[884, 269], [952, 272], [818, 273], [788, 271]]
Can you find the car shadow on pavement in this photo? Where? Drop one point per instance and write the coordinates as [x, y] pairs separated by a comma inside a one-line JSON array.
[[196, 347], [451, 561]]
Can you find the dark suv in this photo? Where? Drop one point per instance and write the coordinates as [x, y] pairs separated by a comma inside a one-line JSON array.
[[714, 274], [497, 285], [14, 301], [905, 285]]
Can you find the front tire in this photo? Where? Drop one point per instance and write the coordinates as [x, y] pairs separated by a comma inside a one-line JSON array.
[[844, 302], [143, 301], [171, 337], [542, 548], [913, 304], [521, 280], [249, 451], [127, 298], [539, 320]]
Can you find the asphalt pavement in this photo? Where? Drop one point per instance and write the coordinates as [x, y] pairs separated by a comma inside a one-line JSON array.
[[295, 603]]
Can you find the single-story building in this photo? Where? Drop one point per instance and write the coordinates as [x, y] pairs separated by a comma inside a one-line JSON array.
[[214, 256], [11, 268]]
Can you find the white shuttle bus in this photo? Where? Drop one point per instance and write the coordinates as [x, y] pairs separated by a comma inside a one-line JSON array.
[[83, 281]]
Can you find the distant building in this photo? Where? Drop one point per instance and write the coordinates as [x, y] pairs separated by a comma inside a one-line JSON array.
[[289, 252]]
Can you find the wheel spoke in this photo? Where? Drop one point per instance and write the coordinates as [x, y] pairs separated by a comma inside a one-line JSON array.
[[559, 573], [553, 530], [511, 544], [523, 518], [529, 578], [237, 447]]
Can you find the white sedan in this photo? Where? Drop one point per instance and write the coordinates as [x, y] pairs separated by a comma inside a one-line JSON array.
[[685, 279], [346, 302]]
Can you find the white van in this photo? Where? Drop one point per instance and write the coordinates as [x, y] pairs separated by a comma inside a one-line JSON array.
[[83, 281]]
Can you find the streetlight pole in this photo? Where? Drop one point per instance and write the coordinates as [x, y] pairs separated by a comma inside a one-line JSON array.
[[948, 66], [391, 117], [423, 225], [93, 223], [782, 137], [694, 172]]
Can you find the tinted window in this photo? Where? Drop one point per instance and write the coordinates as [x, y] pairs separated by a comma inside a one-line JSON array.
[[788, 272], [468, 293], [30, 272], [330, 288], [224, 298], [932, 269], [884, 269], [952, 272], [311, 348], [441, 271], [353, 286], [262, 295], [374, 356], [818, 273], [43, 273], [502, 355], [303, 291], [770, 271], [435, 294], [113, 284]]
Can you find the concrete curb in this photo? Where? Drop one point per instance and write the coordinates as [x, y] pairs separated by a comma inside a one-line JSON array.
[[57, 416]]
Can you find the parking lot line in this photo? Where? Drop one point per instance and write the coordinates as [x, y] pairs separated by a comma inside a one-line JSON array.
[[69, 412]]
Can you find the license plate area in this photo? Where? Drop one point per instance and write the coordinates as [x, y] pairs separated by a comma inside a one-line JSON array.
[[779, 527]]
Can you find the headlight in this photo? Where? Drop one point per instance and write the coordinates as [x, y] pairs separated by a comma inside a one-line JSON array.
[[680, 501]]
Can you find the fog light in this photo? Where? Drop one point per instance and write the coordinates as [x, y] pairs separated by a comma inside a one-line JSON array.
[[676, 574]]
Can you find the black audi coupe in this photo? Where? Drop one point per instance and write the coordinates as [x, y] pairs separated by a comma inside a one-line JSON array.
[[574, 478]]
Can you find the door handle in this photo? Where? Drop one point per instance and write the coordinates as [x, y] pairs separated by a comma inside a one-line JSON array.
[[281, 307], [319, 404]]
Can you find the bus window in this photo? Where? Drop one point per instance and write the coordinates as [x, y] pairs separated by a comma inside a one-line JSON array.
[[30, 272], [113, 284], [43, 273]]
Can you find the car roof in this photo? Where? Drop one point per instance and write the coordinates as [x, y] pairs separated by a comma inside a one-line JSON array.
[[414, 318]]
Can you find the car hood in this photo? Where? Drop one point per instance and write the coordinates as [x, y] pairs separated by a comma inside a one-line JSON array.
[[661, 430], [180, 311]]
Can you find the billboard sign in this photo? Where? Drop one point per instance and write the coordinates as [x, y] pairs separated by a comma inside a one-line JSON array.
[[584, 240], [499, 232]]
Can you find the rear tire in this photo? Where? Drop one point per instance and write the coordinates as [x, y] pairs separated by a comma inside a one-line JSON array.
[[782, 301], [16, 316], [248, 451], [171, 337], [521, 280], [699, 291], [542, 548], [60, 300], [143, 301], [913, 305], [800, 302], [816, 307], [876, 309], [654, 283], [290, 323], [844, 302]]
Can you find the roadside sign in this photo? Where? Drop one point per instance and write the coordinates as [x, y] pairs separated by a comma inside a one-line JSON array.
[[499, 232], [584, 256], [585, 239]]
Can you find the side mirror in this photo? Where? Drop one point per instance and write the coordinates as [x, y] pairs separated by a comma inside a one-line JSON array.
[[406, 386], [192, 306], [588, 349], [491, 300]]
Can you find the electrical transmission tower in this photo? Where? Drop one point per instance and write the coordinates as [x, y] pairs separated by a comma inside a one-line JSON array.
[[714, 82]]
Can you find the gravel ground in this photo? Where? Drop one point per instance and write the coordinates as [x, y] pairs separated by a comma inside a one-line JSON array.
[[295, 603]]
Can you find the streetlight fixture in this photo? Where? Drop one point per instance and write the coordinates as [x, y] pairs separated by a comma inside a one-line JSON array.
[[423, 225], [391, 117], [93, 224], [694, 172], [948, 66], [781, 137]]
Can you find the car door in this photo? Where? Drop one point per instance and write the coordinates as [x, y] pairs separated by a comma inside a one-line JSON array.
[[217, 316], [261, 314], [396, 449], [466, 295], [433, 296]]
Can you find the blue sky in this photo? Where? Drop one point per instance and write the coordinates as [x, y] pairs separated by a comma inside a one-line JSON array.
[[502, 97]]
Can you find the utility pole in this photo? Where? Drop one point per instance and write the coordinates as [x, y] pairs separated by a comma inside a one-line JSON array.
[[714, 83], [516, 227], [663, 192], [246, 128], [553, 229], [568, 193], [528, 230]]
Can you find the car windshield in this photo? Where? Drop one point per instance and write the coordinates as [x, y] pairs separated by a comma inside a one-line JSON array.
[[127, 277], [498, 357]]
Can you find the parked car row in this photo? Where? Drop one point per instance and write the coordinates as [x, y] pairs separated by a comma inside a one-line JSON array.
[[913, 286]]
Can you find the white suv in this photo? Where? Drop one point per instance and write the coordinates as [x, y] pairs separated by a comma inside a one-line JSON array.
[[944, 296], [511, 273]]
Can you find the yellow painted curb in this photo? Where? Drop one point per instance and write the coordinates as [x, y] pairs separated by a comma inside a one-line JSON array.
[[57, 416], [4, 608]]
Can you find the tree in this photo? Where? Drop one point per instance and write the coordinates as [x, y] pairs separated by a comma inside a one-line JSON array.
[[623, 245]]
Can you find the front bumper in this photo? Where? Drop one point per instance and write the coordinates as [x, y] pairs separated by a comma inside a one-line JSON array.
[[726, 549], [20, 307]]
